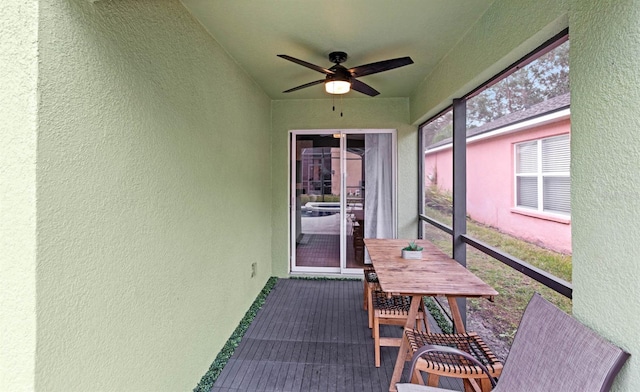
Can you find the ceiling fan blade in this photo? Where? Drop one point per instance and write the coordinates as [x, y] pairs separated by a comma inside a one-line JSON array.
[[363, 88], [380, 66], [304, 86], [308, 65]]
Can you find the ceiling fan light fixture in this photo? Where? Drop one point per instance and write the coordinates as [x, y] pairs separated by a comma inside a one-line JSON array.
[[337, 86], [341, 80]]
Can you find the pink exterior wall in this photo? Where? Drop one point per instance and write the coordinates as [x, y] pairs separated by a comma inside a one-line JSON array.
[[353, 169], [490, 187]]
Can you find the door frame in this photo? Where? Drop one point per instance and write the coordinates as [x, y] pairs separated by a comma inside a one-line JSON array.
[[291, 172]]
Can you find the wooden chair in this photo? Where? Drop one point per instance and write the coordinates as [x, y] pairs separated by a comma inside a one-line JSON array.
[[391, 310], [551, 352], [370, 279], [371, 284], [439, 349], [451, 364]]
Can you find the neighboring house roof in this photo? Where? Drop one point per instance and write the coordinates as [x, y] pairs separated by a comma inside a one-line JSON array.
[[552, 105]]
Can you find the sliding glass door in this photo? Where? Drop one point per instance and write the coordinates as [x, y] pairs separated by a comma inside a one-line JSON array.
[[342, 191]]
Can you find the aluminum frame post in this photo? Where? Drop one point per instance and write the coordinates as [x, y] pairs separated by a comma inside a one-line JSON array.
[[460, 190]]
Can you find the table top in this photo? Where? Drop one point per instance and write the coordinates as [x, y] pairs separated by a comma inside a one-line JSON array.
[[435, 274]]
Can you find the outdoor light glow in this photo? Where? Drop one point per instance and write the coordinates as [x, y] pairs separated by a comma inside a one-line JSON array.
[[337, 87]]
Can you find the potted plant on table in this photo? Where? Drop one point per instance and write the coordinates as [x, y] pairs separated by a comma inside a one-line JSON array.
[[412, 251]]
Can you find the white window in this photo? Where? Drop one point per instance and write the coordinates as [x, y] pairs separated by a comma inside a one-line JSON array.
[[543, 182]]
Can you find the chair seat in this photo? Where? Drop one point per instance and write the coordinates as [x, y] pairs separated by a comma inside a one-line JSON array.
[[419, 388], [451, 365], [390, 306]]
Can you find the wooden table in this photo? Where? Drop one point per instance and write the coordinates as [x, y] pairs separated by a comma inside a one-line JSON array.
[[435, 275]]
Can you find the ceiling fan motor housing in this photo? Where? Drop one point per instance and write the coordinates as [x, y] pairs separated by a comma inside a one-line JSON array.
[[337, 57], [340, 73]]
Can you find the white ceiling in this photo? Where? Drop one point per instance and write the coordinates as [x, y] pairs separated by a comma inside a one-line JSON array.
[[253, 32]]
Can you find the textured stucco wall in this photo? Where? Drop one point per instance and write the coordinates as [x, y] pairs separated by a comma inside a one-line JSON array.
[[18, 124], [507, 31], [133, 258], [605, 142], [605, 96], [365, 113], [153, 196]]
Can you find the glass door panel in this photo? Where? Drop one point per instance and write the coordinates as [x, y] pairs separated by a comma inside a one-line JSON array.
[[354, 198], [370, 192], [332, 210], [317, 203]]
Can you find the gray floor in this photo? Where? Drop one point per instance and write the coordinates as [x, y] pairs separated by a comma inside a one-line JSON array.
[[310, 335]]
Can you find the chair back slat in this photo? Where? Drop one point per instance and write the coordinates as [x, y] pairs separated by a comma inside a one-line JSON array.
[[552, 351]]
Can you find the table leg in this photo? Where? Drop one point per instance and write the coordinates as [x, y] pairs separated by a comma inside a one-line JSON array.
[[416, 300], [455, 314]]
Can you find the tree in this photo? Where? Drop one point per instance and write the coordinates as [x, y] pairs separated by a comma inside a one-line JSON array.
[[438, 129], [545, 77]]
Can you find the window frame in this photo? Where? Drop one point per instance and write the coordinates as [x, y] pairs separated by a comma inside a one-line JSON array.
[[540, 175]]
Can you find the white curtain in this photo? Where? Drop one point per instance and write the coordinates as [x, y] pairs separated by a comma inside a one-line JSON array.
[[378, 203]]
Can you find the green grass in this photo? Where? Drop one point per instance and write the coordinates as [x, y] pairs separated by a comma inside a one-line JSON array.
[[555, 263], [514, 288]]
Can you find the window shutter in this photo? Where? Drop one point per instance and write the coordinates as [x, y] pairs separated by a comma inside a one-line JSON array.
[[527, 158], [556, 156], [527, 192], [557, 194]]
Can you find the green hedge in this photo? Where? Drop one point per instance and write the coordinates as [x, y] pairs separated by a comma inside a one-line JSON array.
[[207, 381], [304, 199]]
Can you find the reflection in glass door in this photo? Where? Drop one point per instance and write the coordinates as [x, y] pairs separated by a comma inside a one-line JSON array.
[[332, 210], [354, 199], [317, 202]]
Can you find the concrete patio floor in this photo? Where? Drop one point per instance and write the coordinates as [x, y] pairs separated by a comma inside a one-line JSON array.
[[312, 335]]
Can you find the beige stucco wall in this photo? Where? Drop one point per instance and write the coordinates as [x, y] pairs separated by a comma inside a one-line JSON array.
[[605, 95], [153, 177], [359, 113], [18, 124]]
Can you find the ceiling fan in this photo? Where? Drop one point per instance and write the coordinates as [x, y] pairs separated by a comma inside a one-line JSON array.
[[339, 80]]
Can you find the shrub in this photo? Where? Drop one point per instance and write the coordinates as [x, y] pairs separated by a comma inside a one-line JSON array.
[[438, 199], [304, 199]]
